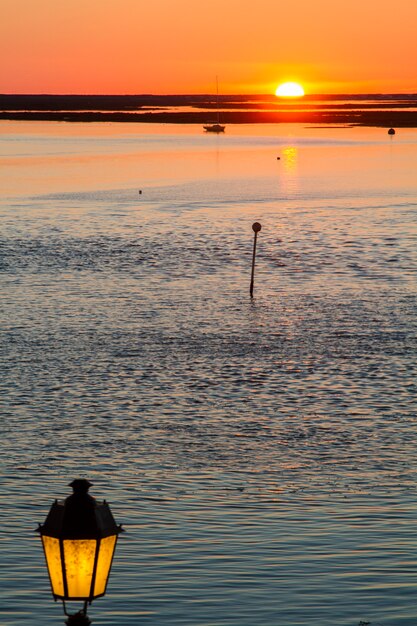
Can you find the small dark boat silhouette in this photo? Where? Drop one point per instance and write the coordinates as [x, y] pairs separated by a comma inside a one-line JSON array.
[[391, 131], [215, 127]]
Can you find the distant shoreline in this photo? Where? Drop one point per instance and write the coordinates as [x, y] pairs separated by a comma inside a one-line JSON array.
[[360, 118], [380, 110]]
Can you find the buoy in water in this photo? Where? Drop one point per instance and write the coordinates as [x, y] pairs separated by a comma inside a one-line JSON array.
[[391, 131]]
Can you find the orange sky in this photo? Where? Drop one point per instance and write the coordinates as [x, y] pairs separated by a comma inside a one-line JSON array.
[[179, 46]]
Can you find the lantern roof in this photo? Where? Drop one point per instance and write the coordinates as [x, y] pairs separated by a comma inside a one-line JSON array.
[[80, 516]]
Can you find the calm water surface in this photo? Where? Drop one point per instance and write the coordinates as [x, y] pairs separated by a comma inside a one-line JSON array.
[[261, 454]]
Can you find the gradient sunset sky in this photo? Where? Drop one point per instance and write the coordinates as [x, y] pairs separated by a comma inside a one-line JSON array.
[[179, 46]]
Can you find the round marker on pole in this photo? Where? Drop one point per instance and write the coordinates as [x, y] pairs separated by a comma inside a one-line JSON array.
[[256, 227]]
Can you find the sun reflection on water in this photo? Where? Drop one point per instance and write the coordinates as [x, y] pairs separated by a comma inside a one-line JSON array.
[[290, 154], [289, 172]]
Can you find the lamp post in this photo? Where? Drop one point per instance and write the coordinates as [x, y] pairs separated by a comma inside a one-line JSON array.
[[79, 538]]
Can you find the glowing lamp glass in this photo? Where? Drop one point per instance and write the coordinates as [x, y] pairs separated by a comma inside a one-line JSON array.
[[53, 560], [83, 563], [104, 561]]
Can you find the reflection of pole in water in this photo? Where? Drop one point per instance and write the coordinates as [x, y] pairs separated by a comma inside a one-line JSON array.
[[217, 156], [256, 227], [391, 133]]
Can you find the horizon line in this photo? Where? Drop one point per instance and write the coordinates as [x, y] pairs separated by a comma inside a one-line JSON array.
[[202, 95]]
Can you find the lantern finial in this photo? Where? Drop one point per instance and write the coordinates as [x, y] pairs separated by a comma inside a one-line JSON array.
[[80, 485]]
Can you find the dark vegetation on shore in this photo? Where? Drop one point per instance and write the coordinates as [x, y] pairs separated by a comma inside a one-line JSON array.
[[366, 110]]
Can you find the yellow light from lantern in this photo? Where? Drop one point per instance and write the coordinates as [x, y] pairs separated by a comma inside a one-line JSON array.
[[79, 557], [78, 567], [53, 561], [105, 557]]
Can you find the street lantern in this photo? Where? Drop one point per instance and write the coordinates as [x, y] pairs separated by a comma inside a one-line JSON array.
[[79, 539]]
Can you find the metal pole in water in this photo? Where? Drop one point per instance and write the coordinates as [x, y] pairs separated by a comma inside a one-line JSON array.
[[256, 227]]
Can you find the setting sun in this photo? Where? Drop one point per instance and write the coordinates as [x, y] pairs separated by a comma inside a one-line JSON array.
[[289, 90]]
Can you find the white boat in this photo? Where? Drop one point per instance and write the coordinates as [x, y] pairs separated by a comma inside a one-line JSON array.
[[215, 127]]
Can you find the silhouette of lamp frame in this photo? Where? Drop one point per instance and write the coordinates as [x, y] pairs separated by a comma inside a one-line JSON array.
[[79, 539]]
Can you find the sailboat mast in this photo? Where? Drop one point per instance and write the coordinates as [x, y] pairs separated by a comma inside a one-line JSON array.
[[217, 99]]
